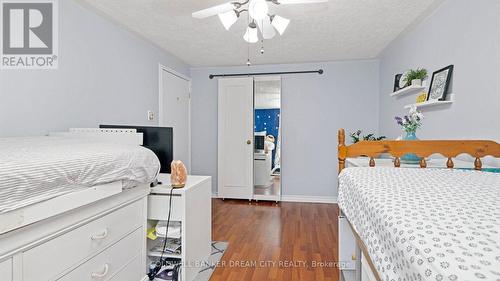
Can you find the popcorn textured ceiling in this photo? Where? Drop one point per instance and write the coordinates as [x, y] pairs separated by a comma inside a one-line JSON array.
[[337, 30]]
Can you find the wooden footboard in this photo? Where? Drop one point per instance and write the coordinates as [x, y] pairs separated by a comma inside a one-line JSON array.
[[422, 148]]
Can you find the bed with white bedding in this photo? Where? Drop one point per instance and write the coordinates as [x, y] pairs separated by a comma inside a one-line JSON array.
[[63, 214], [35, 169], [425, 224]]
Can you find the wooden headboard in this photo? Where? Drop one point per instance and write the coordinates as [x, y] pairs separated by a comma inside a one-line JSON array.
[[422, 148]]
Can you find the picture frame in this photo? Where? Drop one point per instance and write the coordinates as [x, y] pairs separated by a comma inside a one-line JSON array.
[[440, 83], [397, 78]]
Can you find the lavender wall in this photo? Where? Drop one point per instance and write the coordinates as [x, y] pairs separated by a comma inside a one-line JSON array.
[[463, 33], [314, 107], [106, 75]]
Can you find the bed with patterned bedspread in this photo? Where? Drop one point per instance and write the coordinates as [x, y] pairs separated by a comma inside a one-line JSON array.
[[425, 224]]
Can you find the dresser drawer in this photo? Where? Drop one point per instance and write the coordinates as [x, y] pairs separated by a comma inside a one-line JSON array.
[[111, 261], [347, 245], [66, 251], [158, 207], [6, 270], [134, 271]]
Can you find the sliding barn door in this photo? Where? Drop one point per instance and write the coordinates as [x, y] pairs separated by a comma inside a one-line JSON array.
[[235, 132]]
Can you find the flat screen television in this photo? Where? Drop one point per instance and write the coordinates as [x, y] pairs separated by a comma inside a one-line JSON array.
[[259, 142], [158, 139]]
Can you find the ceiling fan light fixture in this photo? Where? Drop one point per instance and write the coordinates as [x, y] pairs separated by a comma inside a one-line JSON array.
[[279, 23], [258, 9], [251, 35], [266, 29], [215, 10], [228, 19]]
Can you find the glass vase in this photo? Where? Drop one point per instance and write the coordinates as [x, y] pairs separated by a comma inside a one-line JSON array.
[[410, 158]]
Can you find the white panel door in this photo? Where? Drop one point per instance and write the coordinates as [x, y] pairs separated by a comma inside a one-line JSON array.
[[175, 113], [235, 132]]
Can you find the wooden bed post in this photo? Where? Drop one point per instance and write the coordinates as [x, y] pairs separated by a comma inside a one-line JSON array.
[[342, 149], [477, 164]]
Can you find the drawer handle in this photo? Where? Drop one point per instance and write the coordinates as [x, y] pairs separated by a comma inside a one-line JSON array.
[[103, 235], [101, 275]]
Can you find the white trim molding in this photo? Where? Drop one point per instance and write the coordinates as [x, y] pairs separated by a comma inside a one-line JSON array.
[[301, 199], [309, 199]]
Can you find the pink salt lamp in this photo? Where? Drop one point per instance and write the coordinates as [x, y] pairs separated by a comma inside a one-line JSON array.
[[178, 174]]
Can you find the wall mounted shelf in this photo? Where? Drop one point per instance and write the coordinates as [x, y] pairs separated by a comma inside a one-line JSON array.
[[431, 103], [408, 90]]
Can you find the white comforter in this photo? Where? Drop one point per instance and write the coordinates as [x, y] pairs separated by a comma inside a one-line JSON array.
[[39, 168], [426, 224]]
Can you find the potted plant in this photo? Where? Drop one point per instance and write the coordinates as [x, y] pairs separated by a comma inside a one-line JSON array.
[[410, 123], [415, 77], [356, 137]]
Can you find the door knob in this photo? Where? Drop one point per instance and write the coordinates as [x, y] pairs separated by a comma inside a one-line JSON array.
[[249, 142]]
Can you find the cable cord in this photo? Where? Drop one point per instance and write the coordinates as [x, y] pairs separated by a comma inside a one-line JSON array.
[[168, 222], [161, 262]]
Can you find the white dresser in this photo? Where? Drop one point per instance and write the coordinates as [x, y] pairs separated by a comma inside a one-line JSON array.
[[101, 241], [106, 240]]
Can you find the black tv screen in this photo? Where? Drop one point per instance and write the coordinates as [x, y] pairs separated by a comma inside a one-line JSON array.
[[158, 139], [259, 142]]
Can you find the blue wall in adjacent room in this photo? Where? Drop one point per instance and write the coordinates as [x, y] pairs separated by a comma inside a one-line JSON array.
[[268, 120]]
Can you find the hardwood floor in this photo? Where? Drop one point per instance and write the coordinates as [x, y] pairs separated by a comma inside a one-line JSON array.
[[269, 242]]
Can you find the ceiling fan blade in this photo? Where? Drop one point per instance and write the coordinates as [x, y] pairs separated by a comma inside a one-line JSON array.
[[213, 11], [266, 29], [287, 2]]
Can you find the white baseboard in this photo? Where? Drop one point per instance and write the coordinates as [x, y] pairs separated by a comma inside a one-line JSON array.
[[302, 199], [309, 199]]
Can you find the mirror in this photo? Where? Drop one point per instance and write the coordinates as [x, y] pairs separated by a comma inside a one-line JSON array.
[[267, 138]]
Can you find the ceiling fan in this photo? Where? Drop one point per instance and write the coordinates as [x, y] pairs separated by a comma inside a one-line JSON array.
[[258, 11]]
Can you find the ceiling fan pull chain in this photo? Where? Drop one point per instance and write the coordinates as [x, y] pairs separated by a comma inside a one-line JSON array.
[[262, 40]]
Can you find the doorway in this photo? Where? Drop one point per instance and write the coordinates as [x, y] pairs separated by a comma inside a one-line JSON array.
[[174, 111], [249, 138], [267, 135]]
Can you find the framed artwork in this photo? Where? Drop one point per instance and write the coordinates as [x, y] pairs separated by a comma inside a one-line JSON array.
[[397, 78], [440, 83]]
